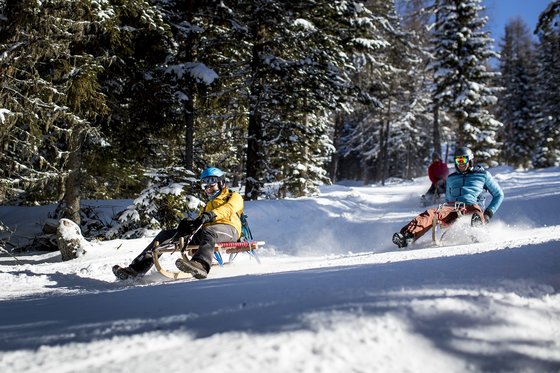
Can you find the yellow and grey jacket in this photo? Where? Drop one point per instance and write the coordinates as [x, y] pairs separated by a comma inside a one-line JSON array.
[[227, 206]]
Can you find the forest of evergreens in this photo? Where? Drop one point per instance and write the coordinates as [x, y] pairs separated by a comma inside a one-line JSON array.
[[99, 97]]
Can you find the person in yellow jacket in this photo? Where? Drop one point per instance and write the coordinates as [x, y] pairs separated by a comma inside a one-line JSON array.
[[218, 222]]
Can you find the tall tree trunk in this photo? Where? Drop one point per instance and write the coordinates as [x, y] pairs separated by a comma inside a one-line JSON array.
[[252, 185], [335, 159], [437, 131], [190, 86], [408, 174], [255, 133], [460, 130], [381, 158], [73, 185], [240, 166], [386, 145], [189, 132]]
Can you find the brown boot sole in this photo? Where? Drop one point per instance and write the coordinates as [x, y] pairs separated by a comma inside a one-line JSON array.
[[188, 267]]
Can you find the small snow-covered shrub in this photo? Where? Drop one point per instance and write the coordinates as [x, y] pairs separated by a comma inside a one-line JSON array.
[[171, 195]]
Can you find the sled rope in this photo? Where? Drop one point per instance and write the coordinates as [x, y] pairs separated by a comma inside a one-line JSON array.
[[458, 207]]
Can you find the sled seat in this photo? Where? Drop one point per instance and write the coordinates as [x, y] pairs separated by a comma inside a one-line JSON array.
[[231, 248]]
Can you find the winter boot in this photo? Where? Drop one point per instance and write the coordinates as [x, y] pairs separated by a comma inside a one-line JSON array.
[[124, 273], [402, 240], [193, 267]]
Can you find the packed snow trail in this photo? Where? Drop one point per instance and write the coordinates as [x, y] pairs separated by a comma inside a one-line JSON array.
[[332, 293]]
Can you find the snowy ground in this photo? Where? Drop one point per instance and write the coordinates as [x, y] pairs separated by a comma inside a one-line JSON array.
[[332, 293]]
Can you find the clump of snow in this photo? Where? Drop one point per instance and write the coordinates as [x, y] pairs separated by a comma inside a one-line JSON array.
[[3, 114], [197, 70], [304, 24]]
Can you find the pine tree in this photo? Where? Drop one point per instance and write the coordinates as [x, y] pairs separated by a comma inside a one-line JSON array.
[[412, 116], [516, 103], [51, 94], [462, 78], [313, 85], [548, 94], [296, 79], [419, 21], [141, 129], [63, 74], [387, 136], [132, 39], [548, 17], [264, 20], [193, 72]]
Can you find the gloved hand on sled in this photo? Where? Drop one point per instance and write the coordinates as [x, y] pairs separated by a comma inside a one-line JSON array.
[[205, 217], [476, 220], [488, 215], [186, 226]]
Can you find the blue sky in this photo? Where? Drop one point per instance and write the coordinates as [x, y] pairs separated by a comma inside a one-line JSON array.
[[500, 11]]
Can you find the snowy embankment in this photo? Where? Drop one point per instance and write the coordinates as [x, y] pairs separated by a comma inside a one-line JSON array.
[[332, 294]]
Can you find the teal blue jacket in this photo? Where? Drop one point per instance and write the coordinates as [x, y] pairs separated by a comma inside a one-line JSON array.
[[468, 186]]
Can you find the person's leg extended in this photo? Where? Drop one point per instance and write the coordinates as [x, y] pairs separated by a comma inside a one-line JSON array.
[[144, 261], [206, 238]]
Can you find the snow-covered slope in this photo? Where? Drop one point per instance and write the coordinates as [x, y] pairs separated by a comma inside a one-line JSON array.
[[332, 293]]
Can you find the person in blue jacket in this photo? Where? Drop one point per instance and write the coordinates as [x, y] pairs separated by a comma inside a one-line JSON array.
[[465, 185]]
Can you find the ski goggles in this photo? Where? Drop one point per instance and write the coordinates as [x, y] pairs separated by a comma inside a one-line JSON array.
[[209, 182], [461, 160]]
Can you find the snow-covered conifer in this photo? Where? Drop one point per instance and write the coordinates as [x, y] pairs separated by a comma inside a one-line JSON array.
[[516, 101], [171, 196], [462, 79], [548, 95]]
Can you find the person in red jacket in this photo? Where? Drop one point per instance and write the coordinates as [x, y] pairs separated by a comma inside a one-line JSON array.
[[437, 172]]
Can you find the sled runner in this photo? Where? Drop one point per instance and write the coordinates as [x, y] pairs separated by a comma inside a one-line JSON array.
[[221, 248]]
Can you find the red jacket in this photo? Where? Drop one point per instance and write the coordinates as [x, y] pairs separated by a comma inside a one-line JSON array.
[[437, 171]]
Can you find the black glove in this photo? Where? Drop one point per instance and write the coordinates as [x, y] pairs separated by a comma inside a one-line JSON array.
[[186, 226], [476, 220], [205, 217], [488, 215]]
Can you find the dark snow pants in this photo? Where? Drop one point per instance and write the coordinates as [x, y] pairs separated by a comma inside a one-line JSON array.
[[446, 216], [206, 238]]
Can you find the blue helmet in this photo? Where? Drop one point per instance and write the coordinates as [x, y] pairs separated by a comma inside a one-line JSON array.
[[211, 171], [211, 175]]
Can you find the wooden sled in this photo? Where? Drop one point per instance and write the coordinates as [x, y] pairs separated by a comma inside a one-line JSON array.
[[459, 208], [221, 248]]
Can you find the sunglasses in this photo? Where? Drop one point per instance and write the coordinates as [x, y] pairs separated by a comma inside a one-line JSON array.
[[209, 182], [461, 160]]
